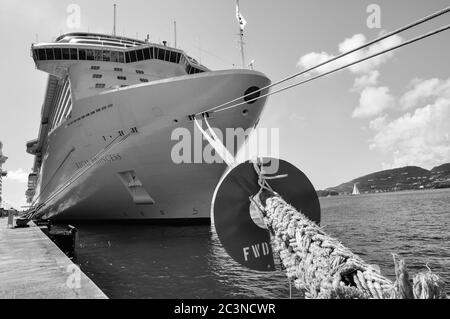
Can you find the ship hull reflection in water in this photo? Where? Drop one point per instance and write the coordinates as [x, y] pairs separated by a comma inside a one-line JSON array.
[[145, 261]]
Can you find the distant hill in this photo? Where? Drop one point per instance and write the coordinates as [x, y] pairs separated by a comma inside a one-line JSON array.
[[398, 179]]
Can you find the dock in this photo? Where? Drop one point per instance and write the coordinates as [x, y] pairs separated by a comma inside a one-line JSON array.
[[33, 267]]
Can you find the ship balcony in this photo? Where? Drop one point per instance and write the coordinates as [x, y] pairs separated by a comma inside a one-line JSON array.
[[33, 147]]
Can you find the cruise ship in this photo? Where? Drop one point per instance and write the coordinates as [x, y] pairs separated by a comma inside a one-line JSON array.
[[104, 145]]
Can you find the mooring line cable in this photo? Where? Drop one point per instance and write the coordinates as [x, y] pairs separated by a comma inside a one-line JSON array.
[[80, 169], [92, 162], [434, 32], [383, 37]]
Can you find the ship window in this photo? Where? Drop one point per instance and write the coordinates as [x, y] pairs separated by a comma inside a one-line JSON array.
[[173, 57], [104, 108], [107, 56], [144, 80], [167, 56], [140, 55], [74, 54], [127, 55], [121, 57], [65, 54], [124, 85], [118, 69], [178, 57], [98, 55], [155, 53], [97, 76], [114, 56], [100, 85], [161, 54], [139, 72], [188, 69], [147, 54], [121, 77], [133, 56], [49, 53], [90, 55], [41, 53], [82, 54], [95, 67]]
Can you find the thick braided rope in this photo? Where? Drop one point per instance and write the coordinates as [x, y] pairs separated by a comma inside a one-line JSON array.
[[322, 267]]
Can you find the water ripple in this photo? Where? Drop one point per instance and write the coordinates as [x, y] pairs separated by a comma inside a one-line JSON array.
[[141, 261]]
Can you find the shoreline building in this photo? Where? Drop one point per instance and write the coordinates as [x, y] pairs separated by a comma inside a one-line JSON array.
[[2, 173]]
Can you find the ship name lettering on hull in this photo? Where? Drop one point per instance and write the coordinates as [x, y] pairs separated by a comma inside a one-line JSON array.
[[104, 160]]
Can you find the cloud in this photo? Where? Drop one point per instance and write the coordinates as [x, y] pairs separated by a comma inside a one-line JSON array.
[[424, 90], [373, 63], [369, 79], [378, 123], [18, 175], [420, 138], [373, 101], [314, 58]]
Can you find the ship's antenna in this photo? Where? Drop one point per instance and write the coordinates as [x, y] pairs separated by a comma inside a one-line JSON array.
[[242, 24], [114, 27], [175, 33]]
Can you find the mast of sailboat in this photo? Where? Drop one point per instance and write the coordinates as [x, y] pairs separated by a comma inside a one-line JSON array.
[[114, 26], [242, 24], [355, 189]]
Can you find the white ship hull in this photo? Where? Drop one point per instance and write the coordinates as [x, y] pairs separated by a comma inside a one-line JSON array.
[[179, 191]]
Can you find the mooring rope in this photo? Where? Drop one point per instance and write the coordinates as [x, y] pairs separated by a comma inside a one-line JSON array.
[[216, 143], [35, 212], [418, 38], [365, 45], [322, 267]]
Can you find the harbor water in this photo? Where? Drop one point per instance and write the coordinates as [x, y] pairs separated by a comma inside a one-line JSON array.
[[145, 261]]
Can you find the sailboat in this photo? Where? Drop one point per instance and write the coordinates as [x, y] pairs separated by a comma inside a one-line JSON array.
[[355, 190]]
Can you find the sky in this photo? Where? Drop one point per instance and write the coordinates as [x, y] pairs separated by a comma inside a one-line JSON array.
[[389, 112]]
